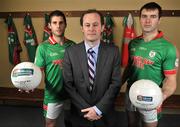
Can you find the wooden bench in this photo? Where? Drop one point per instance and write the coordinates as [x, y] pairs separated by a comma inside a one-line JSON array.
[[11, 96]]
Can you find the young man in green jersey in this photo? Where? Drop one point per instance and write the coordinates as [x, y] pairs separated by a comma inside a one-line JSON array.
[[49, 57], [151, 57]]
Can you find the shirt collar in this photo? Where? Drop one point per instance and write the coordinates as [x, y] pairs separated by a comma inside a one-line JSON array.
[[95, 48]]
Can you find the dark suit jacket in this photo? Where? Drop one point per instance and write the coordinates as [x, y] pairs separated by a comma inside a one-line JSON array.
[[107, 80]]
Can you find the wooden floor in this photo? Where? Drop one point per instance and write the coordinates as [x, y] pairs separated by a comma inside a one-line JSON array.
[[25, 110], [28, 116]]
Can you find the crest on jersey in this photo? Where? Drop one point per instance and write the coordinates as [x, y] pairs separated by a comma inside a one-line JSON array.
[[152, 53]]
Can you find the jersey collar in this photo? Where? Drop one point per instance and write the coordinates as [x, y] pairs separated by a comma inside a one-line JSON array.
[[53, 41], [159, 35]]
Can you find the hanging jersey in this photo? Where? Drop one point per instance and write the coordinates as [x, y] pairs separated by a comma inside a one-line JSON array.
[[49, 56], [47, 30], [152, 60], [14, 45], [30, 39], [47, 33]]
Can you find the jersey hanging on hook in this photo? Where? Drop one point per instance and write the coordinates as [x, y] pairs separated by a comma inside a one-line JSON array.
[[47, 31], [129, 34], [107, 35], [14, 46], [30, 39]]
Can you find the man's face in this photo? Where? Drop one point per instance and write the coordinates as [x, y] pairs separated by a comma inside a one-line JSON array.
[[92, 27], [149, 20], [57, 26]]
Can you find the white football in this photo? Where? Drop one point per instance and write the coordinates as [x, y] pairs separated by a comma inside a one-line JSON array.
[[145, 94], [26, 76]]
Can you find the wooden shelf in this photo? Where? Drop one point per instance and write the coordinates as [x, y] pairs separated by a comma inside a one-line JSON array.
[[12, 96], [114, 13]]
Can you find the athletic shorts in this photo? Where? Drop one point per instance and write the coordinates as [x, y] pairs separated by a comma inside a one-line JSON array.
[[52, 110], [148, 116]]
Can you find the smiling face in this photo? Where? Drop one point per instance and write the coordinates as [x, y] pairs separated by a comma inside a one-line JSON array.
[[149, 20], [57, 26], [92, 27]]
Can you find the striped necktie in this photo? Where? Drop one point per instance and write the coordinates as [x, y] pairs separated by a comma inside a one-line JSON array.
[[91, 68]]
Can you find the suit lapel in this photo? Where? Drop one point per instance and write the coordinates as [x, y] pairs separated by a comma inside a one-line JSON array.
[[83, 61], [100, 60]]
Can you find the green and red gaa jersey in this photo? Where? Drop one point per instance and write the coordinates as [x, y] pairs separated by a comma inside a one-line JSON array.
[[49, 56], [152, 60]]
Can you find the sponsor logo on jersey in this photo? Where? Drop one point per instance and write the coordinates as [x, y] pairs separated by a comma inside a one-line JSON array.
[[53, 54], [62, 50], [152, 54], [133, 49], [139, 61], [142, 48], [58, 62], [31, 41]]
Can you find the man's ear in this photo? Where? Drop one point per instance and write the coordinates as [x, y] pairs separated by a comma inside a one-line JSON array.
[[49, 25], [159, 20], [82, 29]]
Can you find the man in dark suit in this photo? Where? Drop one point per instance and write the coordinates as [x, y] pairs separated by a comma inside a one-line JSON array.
[[91, 71]]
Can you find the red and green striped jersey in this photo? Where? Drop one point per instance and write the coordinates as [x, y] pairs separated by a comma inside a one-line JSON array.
[[151, 60], [49, 56]]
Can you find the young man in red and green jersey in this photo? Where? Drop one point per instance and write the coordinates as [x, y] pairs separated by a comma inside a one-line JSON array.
[[49, 57], [148, 59], [151, 57]]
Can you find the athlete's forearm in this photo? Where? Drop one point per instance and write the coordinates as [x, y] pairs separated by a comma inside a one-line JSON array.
[[169, 86]]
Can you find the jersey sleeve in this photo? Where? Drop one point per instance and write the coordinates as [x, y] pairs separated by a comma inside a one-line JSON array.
[[170, 61], [40, 57]]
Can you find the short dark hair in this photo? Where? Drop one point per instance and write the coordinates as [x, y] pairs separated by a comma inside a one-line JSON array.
[[57, 13], [152, 6], [92, 11]]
